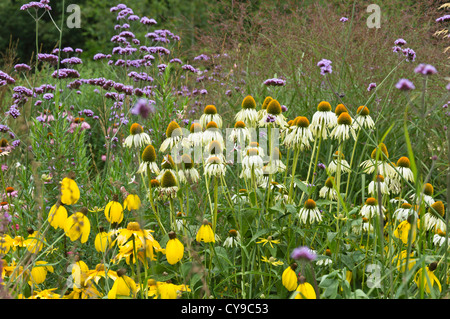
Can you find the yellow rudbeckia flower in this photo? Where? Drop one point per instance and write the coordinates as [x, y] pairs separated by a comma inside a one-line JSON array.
[[70, 193], [403, 229], [114, 211], [289, 277], [39, 273], [165, 290], [102, 241], [77, 226], [205, 233], [123, 286], [427, 279], [34, 241], [57, 216], [132, 202], [5, 243], [174, 249], [305, 290]]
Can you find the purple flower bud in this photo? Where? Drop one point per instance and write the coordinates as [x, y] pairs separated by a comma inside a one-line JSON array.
[[303, 253], [405, 85]]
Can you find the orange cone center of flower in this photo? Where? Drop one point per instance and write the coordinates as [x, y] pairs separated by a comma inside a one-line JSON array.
[[136, 129]]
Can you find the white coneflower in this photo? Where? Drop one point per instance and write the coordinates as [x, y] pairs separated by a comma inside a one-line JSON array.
[[180, 222], [212, 133], [195, 135], [210, 115], [174, 134], [378, 185], [326, 260], [233, 239], [261, 151], [323, 120], [214, 148], [148, 164], [273, 115], [363, 119], [137, 137], [309, 213], [215, 167], [275, 164], [366, 226], [371, 208], [299, 135], [168, 188], [427, 195], [393, 184], [332, 166], [240, 134], [328, 191], [248, 113], [240, 197], [166, 165], [431, 220], [263, 111], [404, 211], [343, 129], [404, 169], [188, 173], [252, 163], [383, 167], [439, 238]]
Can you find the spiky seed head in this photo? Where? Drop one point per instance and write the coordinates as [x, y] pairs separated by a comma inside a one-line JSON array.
[[371, 201], [266, 102], [406, 206], [168, 162], [363, 110], [213, 160], [252, 152], [233, 232], [212, 125], [340, 108], [149, 154], [383, 149], [136, 129], [439, 208], [168, 180], [186, 161], [239, 124], [310, 204], [195, 128], [301, 121], [404, 162], [428, 189], [254, 144], [215, 148], [344, 119], [274, 107], [154, 183], [329, 182], [249, 102], [210, 109], [172, 235], [173, 129], [324, 106]]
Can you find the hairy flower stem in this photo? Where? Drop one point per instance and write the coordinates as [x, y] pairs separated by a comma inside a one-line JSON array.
[[216, 190], [152, 204], [316, 160], [351, 163], [294, 167]]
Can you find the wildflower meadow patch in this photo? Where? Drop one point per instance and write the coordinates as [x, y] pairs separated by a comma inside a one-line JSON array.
[[147, 171]]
